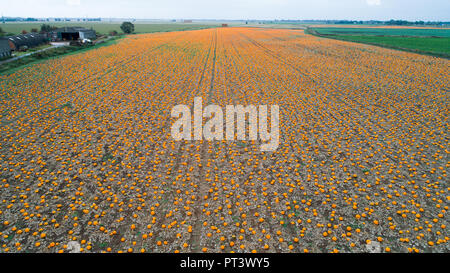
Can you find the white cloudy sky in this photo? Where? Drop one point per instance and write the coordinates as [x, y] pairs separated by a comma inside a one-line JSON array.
[[232, 9]]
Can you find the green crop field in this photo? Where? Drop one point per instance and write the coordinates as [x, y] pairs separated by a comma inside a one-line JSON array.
[[385, 31], [106, 27], [432, 45], [434, 42]]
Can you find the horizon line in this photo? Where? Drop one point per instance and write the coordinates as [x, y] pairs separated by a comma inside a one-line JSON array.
[[222, 19]]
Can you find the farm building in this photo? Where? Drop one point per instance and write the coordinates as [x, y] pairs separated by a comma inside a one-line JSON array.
[[73, 34], [224, 25], [5, 49], [25, 41]]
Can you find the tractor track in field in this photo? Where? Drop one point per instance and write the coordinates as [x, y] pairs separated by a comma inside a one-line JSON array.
[[194, 240], [202, 75]]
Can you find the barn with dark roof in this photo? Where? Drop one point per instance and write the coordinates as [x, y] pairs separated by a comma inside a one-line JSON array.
[[25, 41], [73, 34], [5, 48]]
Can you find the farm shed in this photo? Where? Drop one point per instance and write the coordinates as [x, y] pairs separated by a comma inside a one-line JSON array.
[[30, 40], [5, 48], [224, 25], [73, 34]]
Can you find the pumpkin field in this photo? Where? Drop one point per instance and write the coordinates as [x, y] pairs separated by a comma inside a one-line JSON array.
[[87, 156]]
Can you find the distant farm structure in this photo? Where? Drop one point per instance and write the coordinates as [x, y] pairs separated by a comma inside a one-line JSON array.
[[25, 41], [72, 34], [187, 21], [5, 49], [224, 25]]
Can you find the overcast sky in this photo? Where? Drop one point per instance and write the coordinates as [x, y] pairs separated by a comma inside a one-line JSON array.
[[428, 10]]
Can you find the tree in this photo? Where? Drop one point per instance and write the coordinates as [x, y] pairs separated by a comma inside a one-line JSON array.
[[127, 27], [46, 28]]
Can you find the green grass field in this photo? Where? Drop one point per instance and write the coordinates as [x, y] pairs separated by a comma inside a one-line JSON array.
[[385, 31], [106, 27], [434, 42], [436, 46]]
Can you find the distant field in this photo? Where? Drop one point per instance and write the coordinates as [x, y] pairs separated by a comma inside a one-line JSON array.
[[420, 40], [105, 27], [378, 26], [432, 45], [277, 26], [385, 31]]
